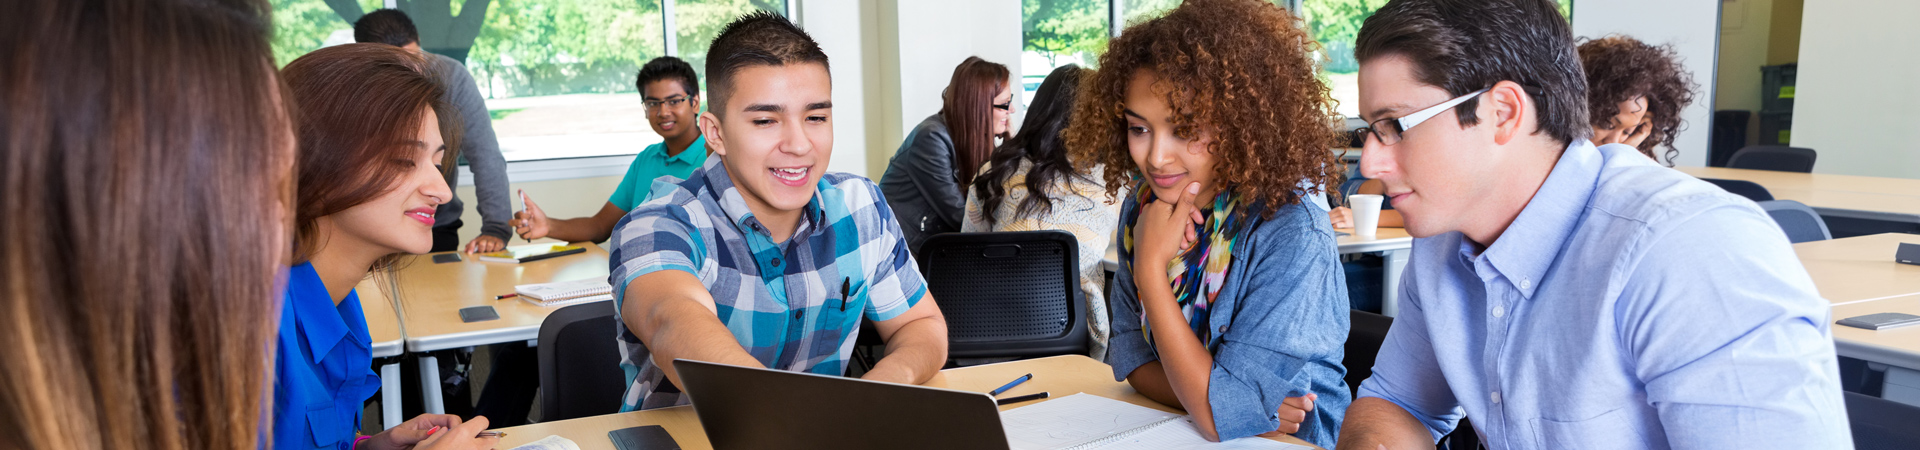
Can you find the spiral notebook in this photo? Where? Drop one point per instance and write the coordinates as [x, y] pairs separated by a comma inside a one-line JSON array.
[[1086, 422], [566, 292]]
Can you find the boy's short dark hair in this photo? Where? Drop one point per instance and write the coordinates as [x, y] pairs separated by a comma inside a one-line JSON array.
[[1467, 45], [756, 39], [386, 26], [668, 68]]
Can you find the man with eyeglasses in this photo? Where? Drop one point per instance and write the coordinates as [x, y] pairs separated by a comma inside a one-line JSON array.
[[1562, 295], [671, 92]]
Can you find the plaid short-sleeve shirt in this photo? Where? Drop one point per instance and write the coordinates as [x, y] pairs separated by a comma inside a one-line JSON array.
[[795, 305]]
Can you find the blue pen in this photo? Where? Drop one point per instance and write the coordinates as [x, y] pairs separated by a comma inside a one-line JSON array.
[[1016, 382]]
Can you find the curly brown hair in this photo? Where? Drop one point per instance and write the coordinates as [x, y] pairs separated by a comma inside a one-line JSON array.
[[1241, 69], [1620, 68]]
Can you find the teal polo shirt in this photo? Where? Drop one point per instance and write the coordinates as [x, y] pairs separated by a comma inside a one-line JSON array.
[[654, 163]]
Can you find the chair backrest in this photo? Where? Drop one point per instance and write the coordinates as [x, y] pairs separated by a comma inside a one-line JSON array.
[[1750, 190], [1007, 294], [1800, 222], [1774, 157], [1368, 333], [580, 373], [1879, 423], [1351, 186]]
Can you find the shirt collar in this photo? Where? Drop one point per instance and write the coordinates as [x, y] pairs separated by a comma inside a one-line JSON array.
[[735, 206], [322, 323], [695, 154], [1530, 245]]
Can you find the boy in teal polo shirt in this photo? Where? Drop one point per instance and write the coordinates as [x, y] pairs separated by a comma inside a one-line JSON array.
[[671, 91]]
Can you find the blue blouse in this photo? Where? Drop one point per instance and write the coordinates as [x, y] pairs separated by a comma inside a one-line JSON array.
[[323, 368], [1278, 326]]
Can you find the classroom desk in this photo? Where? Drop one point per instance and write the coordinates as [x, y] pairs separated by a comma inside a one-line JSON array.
[[1394, 244], [1857, 197], [1859, 269], [431, 296], [383, 325], [1059, 376], [1898, 348]]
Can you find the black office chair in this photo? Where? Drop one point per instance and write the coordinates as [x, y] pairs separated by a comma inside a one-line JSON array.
[[1750, 190], [1368, 333], [1800, 222], [1879, 423], [1007, 294], [1774, 157], [580, 372]]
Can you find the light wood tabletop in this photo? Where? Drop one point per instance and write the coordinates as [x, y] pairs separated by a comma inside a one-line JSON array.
[[1861, 268], [1059, 376], [1897, 346], [1774, 180], [383, 324], [431, 296]]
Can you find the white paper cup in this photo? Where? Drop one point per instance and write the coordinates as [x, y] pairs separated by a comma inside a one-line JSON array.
[[1366, 213]]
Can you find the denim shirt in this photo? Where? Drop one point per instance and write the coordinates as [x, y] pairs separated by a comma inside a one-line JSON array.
[[323, 366], [1627, 306], [1279, 326]]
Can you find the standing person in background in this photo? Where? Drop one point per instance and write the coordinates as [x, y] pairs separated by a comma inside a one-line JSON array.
[[475, 137], [149, 153], [1031, 185], [370, 175], [1229, 302], [926, 181], [671, 91], [1635, 93]]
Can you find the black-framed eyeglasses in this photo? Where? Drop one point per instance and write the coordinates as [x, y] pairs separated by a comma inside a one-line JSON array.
[[654, 105], [1008, 106], [1389, 130]]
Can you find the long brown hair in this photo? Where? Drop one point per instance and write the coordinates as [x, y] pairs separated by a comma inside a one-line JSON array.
[[144, 152], [358, 105], [1242, 68], [967, 107]]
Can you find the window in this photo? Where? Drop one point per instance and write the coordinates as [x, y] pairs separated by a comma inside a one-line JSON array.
[[1055, 33], [1335, 23], [557, 74]]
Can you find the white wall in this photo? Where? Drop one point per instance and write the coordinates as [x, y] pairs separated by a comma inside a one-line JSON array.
[[842, 33], [1693, 29], [1856, 101]]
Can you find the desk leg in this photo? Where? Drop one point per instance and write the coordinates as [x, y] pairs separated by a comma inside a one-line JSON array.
[[430, 384], [390, 396], [1396, 262]]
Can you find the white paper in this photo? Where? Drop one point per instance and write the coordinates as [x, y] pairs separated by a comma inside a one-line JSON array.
[[1181, 435], [1074, 420], [550, 443]]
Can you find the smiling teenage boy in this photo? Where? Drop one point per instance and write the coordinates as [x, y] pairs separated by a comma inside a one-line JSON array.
[[760, 258], [1563, 295]]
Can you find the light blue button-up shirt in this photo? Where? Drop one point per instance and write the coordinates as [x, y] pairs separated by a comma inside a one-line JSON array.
[[1628, 306]]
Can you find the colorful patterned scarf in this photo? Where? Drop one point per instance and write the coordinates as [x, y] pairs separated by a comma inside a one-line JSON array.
[[1197, 274]]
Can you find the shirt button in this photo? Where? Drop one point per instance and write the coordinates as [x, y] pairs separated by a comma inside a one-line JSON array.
[[1496, 397], [1499, 311], [798, 313], [1223, 328], [1526, 284], [776, 262]]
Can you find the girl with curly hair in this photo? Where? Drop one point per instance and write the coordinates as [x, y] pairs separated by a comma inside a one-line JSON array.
[[1230, 301], [1635, 92]]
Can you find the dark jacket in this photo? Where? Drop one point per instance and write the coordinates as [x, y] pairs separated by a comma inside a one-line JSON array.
[[922, 184]]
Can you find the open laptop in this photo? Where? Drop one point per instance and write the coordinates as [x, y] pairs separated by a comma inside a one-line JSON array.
[[750, 408]]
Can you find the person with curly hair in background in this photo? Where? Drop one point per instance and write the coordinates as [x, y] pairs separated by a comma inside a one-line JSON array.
[[1230, 301], [1635, 93]]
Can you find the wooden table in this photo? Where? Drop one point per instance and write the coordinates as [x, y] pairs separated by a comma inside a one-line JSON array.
[[1859, 269], [1897, 349], [431, 296], [1059, 376], [383, 325], [1872, 198], [1394, 244]]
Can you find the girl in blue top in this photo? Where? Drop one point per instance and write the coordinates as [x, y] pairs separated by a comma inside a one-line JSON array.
[[369, 177], [1230, 302]]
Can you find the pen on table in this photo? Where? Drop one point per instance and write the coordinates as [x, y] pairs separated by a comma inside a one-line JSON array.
[[491, 434], [1023, 398], [1016, 382], [506, 296]]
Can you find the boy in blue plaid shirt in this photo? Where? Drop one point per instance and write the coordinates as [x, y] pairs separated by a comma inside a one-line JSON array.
[[760, 258]]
